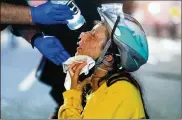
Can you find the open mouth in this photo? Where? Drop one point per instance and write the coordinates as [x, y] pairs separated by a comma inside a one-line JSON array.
[[79, 48]]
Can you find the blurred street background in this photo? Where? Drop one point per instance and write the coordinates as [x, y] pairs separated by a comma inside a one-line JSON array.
[[23, 96]]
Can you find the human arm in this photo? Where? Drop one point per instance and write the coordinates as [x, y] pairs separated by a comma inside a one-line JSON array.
[[46, 13], [72, 106], [16, 14], [50, 46]]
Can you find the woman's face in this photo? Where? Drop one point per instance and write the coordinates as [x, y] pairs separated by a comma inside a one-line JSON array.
[[91, 42]]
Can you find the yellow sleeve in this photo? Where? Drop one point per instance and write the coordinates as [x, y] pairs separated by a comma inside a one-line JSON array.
[[72, 107], [130, 105]]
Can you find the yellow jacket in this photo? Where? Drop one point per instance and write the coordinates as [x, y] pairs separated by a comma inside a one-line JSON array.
[[120, 100]]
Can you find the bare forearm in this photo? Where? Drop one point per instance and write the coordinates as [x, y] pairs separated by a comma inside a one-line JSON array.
[[15, 14]]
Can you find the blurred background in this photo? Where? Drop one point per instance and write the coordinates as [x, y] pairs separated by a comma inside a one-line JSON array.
[[22, 96]]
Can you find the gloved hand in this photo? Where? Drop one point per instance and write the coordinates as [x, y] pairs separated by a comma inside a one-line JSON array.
[[52, 49], [49, 13]]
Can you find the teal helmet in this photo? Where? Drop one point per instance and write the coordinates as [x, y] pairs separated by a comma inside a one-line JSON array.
[[128, 36]]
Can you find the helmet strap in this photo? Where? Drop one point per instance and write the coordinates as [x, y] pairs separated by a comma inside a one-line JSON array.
[[109, 64], [107, 46]]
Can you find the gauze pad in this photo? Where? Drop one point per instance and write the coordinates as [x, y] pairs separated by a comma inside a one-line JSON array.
[[79, 59]]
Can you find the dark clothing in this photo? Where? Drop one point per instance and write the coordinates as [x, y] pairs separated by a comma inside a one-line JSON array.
[[15, 2]]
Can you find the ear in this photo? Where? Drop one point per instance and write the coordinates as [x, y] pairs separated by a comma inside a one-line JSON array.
[[108, 58]]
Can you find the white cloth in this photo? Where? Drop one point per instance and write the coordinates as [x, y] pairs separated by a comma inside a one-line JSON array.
[[79, 59]]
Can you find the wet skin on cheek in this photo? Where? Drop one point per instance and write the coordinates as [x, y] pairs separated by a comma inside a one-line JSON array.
[[91, 42]]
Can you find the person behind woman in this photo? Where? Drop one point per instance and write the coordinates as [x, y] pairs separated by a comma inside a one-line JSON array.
[[114, 92]]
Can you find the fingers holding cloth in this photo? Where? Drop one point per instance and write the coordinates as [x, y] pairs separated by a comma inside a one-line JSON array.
[[74, 67], [74, 71]]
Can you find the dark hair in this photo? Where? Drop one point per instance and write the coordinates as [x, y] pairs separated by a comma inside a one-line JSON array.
[[115, 75]]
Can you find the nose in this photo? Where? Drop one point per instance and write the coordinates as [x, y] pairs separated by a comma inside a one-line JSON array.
[[83, 37], [81, 42]]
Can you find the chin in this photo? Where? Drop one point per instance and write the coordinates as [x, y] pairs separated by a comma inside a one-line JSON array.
[[77, 53]]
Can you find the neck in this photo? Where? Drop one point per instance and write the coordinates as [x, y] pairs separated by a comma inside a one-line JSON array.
[[100, 72]]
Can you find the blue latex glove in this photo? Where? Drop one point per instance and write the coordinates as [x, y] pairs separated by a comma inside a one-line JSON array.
[[52, 49], [49, 13]]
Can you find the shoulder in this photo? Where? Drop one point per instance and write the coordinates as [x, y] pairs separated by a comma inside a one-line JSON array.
[[123, 85], [126, 93], [124, 89]]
